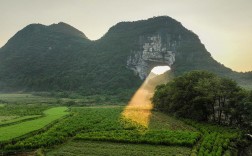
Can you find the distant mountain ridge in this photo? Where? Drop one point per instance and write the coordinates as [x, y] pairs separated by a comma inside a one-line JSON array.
[[61, 58]]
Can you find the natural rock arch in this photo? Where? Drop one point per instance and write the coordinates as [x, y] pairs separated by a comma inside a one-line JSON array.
[[154, 51]]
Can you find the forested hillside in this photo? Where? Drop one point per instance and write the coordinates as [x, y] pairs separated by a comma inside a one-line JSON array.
[[61, 58]]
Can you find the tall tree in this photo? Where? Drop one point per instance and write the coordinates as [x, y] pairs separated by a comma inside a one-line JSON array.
[[203, 96]]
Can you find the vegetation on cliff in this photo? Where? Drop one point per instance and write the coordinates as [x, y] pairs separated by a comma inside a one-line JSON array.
[[61, 58]]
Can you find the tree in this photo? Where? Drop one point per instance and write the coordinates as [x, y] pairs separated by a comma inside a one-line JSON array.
[[204, 96], [184, 97]]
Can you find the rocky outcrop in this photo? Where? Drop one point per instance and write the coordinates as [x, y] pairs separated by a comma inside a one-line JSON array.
[[154, 50]]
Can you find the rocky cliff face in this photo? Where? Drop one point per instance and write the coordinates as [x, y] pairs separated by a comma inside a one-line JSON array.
[[153, 51]]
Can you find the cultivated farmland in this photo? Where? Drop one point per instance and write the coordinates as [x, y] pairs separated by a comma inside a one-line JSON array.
[[104, 129], [17, 130]]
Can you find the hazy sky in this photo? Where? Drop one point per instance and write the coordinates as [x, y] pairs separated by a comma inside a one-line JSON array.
[[224, 26]]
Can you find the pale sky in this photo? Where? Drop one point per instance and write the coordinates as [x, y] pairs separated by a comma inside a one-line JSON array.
[[224, 26]]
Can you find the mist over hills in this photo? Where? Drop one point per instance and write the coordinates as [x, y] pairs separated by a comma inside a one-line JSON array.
[[59, 57]]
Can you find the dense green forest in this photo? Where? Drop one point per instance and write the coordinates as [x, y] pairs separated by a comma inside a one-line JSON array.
[[204, 96]]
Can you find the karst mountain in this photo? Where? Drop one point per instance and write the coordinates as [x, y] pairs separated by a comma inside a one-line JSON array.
[[59, 57]]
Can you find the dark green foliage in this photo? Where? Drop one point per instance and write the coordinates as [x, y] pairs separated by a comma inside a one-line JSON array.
[[183, 98], [60, 58], [203, 96]]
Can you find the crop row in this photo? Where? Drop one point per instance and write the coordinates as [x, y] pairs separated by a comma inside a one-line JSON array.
[[82, 119], [22, 109], [102, 124], [17, 130], [180, 138], [18, 120], [216, 140]]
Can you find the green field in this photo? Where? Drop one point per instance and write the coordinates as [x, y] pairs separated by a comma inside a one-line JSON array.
[[106, 124], [61, 98], [160, 121], [84, 148], [25, 99], [17, 130], [103, 130], [6, 120], [174, 138], [216, 140]]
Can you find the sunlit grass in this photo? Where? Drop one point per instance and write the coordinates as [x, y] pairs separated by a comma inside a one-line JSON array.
[[139, 108]]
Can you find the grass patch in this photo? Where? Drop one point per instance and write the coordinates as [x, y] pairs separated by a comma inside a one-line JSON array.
[[161, 121], [26, 99], [7, 120], [17, 130], [114, 149]]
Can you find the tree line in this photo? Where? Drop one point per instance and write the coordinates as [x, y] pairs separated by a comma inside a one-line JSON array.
[[204, 96]]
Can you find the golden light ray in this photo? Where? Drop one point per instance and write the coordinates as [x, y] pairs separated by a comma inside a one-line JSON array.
[[139, 108], [160, 69]]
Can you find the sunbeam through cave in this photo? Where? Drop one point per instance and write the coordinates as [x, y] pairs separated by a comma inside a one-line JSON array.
[[139, 108]]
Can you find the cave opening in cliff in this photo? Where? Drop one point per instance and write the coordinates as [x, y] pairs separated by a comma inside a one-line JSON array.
[[158, 70], [139, 107]]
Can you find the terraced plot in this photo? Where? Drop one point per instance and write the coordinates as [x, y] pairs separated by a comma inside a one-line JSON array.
[[91, 122], [83, 148], [103, 130], [17, 130], [6, 120]]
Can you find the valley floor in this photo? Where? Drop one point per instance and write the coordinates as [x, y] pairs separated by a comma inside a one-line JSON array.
[[134, 129]]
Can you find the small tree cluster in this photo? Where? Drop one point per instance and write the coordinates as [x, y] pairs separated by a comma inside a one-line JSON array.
[[203, 96]]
